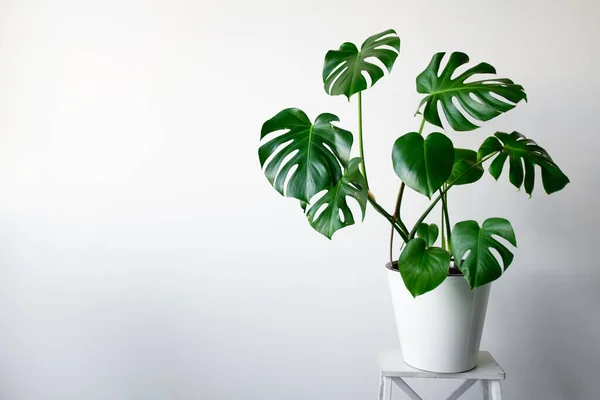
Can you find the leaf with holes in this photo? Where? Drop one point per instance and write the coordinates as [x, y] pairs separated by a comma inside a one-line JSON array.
[[481, 267], [522, 152], [428, 232], [482, 99], [423, 164], [353, 185], [343, 69], [319, 151], [465, 167], [423, 269]]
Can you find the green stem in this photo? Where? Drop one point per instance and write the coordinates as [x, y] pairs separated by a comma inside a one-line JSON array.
[[390, 219], [401, 228], [446, 219], [443, 232], [397, 215], [432, 205], [360, 138], [397, 218], [421, 127], [399, 200]]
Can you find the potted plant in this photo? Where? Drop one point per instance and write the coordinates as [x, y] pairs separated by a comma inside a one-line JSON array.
[[439, 292]]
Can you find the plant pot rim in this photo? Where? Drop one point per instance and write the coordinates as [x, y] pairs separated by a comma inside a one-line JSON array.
[[452, 270]]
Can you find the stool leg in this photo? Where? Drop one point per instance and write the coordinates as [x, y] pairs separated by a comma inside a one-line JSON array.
[[386, 389], [486, 389], [495, 390], [466, 385], [406, 389]]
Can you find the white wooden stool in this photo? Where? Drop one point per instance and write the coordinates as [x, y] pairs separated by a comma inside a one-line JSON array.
[[393, 369]]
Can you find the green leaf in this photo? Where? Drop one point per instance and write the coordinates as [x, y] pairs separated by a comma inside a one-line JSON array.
[[481, 266], [319, 151], [523, 154], [423, 269], [352, 184], [343, 69], [464, 160], [477, 98], [423, 164], [428, 232]]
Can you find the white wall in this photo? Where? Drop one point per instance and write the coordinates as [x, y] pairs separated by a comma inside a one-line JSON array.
[[144, 256]]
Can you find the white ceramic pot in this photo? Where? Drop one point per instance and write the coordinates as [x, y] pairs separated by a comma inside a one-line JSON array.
[[439, 331]]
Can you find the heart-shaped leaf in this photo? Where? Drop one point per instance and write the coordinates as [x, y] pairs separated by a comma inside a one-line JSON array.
[[481, 267], [465, 160], [522, 152], [343, 68], [352, 184], [479, 99], [423, 269], [319, 151], [428, 232], [423, 164]]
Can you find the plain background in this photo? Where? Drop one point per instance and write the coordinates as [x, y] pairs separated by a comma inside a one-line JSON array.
[[143, 255]]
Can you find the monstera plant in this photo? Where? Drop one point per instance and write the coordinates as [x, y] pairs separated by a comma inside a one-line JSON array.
[[310, 160]]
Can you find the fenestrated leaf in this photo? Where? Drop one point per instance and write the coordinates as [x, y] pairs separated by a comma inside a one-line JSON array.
[[423, 269], [477, 98], [352, 184], [343, 68], [481, 266], [423, 164], [465, 160], [320, 150], [428, 232], [523, 154]]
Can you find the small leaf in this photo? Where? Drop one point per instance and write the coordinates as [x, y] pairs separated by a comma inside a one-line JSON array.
[[352, 184], [481, 266], [423, 164], [423, 269], [343, 68], [318, 150], [475, 98], [523, 154], [428, 232], [464, 160]]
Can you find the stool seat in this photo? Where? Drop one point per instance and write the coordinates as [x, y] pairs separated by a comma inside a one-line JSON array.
[[393, 369], [392, 364]]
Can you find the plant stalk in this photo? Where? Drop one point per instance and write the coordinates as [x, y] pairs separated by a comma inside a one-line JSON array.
[[401, 228], [397, 215], [397, 218], [443, 192], [390, 219], [360, 138], [443, 232], [421, 127], [445, 216]]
